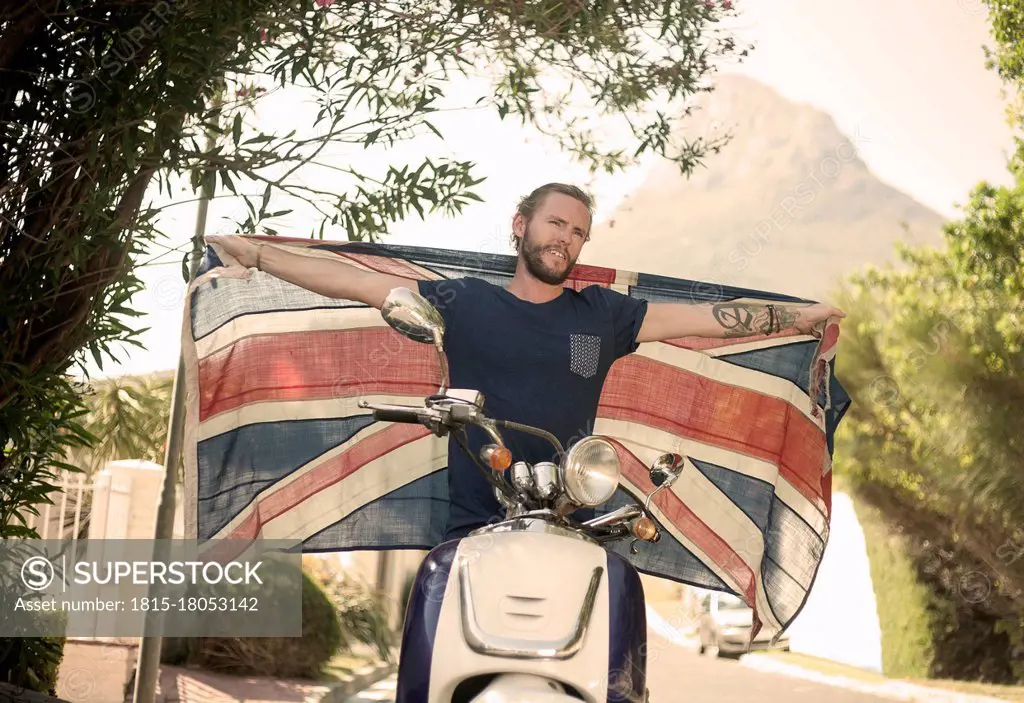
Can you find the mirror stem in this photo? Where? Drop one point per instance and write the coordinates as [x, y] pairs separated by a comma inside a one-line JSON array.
[[439, 346]]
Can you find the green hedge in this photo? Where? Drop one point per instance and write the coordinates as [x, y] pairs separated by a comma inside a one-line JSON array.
[[31, 662], [280, 657], [903, 602]]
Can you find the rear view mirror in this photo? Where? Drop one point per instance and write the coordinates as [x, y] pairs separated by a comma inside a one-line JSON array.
[[666, 470], [412, 315]]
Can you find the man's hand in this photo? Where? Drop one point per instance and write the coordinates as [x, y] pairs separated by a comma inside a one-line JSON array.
[[241, 248], [812, 319]]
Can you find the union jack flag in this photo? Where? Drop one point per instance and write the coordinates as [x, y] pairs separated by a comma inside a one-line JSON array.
[[278, 448]]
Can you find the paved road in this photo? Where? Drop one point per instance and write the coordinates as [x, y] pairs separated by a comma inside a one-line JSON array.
[[679, 674]]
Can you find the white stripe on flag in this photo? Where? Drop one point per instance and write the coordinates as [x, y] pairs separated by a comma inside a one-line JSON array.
[[283, 410], [288, 321], [625, 278]]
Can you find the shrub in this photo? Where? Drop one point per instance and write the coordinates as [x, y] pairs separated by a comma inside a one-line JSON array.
[[364, 613], [365, 617], [903, 602], [279, 657], [32, 663]]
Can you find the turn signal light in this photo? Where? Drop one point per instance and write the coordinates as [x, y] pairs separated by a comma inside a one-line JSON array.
[[645, 529], [498, 458]]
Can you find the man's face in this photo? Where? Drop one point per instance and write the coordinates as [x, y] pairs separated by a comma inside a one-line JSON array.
[[553, 238]]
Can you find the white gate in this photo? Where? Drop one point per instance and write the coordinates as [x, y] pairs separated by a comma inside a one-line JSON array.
[[68, 513], [118, 502]]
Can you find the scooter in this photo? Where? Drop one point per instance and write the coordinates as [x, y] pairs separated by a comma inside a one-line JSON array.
[[533, 608]]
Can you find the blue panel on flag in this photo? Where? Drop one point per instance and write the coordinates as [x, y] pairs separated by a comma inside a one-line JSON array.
[[236, 465], [751, 495], [791, 362], [411, 516]]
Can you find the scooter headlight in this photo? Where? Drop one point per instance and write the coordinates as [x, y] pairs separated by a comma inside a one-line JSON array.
[[590, 471]]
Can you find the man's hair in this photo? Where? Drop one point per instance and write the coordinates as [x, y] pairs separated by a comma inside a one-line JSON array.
[[529, 204]]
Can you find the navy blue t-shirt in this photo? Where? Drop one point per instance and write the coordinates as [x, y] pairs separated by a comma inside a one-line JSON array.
[[542, 364]]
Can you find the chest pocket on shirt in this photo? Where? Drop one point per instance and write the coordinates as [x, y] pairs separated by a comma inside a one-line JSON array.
[[584, 354]]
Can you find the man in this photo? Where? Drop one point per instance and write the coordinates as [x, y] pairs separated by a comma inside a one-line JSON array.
[[538, 351]]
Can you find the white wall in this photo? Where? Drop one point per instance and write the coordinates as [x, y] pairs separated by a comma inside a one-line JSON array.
[[840, 619]]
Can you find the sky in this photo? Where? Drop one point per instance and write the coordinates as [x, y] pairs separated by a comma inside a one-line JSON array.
[[907, 79]]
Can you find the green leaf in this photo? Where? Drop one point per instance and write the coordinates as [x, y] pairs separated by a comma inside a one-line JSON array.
[[433, 129], [236, 128], [96, 357], [228, 182], [266, 199]]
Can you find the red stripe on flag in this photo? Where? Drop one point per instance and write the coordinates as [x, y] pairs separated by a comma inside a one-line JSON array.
[[326, 475], [724, 556], [829, 339], [315, 366], [688, 405], [592, 274]]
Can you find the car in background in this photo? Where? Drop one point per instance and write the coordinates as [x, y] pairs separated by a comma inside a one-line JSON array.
[[724, 627]]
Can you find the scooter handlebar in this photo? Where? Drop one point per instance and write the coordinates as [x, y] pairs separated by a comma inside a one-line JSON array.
[[397, 415]]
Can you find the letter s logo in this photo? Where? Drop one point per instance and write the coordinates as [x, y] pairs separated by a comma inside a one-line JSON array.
[[37, 573]]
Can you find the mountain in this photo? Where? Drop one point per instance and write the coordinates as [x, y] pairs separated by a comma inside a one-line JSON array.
[[786, 206]]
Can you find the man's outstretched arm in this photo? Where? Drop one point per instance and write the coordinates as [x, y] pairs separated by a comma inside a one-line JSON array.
[[730, 319], [332, 278]]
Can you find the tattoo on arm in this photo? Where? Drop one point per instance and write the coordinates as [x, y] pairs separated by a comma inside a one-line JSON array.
[[748, 319]]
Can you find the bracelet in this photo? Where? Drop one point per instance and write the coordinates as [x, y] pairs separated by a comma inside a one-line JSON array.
[[259, 252]]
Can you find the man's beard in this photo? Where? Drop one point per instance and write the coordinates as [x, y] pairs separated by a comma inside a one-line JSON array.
[[533, 257]]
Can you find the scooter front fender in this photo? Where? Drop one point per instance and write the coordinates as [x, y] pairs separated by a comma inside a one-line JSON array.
[[511, 603]]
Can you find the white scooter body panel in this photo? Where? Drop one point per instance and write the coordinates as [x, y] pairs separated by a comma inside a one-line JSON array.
[[528, 591]]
